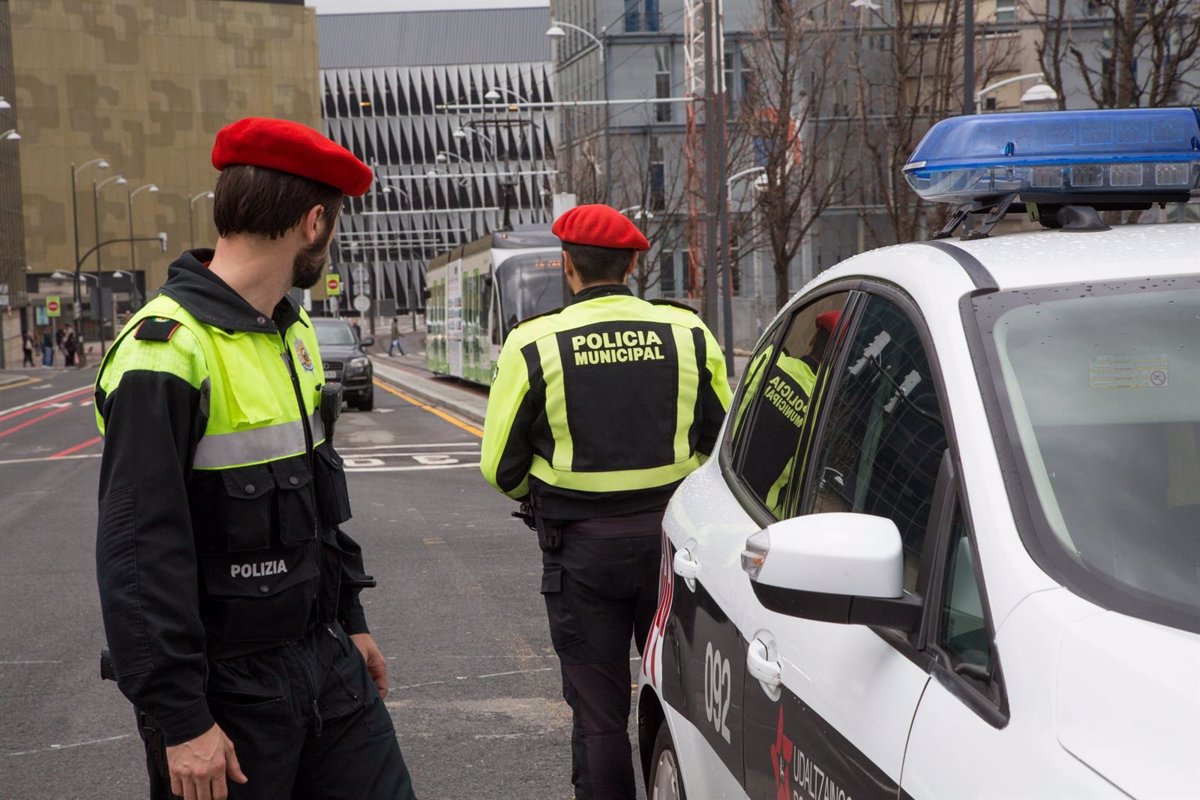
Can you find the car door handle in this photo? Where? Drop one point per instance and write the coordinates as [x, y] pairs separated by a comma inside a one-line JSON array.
[[687, 568], [767, 672], [685, 565]]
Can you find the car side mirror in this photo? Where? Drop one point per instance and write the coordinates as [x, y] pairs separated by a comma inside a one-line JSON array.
[[368, 342], [837, 567]]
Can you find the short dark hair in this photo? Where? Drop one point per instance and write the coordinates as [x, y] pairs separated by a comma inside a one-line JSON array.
[[595, 264], [266, 202]]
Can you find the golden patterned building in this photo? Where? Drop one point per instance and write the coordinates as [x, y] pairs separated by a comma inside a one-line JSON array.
[[144, 85]]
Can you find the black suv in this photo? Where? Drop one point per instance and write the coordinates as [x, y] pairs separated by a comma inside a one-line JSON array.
[[345, 361]]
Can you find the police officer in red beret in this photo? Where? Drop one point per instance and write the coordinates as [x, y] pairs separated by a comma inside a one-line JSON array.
[[228, 589], [597, 411]]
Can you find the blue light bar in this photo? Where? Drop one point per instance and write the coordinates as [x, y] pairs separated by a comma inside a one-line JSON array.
[[1144, 151]]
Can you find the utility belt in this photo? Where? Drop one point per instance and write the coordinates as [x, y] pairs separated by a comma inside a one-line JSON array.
[[551, 531]]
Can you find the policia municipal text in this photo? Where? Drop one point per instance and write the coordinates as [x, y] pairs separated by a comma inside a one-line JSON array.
[[228, 589], [597, 412]]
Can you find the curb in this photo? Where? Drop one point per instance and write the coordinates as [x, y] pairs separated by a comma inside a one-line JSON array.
[[439, 392]]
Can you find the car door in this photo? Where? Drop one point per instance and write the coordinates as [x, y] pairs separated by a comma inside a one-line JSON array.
[[704, 641], [828, 706]]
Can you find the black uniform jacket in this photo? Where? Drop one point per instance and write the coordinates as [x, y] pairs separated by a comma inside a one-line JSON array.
[[181, 553]]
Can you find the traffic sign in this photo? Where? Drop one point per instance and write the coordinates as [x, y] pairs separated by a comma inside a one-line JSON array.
[[53, 306], [362, 303], [333, 285]]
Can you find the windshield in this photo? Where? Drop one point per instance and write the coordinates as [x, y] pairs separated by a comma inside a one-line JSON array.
[[1100, 398], [338, 334], [529, 285]]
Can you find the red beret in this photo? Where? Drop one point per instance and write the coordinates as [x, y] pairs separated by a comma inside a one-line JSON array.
[[293, 148], [599, 226], [828, 320]]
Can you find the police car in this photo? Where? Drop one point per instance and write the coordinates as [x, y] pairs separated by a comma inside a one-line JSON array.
[[950, 543]]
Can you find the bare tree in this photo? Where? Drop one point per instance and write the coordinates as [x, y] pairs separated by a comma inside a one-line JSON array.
[[907, 79], [1149, 52], [784, 120], [648, 178]]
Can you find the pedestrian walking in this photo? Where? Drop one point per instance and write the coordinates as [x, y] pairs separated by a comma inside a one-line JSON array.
[[228, 589], [47, 349], [27, 345], [69, 347], [597, 411], [396, 342]]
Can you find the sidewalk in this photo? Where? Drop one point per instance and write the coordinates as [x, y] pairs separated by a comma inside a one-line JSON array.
[[408, 374]]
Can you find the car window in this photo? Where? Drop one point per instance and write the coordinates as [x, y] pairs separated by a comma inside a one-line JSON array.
[[770, 415], [963, 633], [330, 335], [883, 437]]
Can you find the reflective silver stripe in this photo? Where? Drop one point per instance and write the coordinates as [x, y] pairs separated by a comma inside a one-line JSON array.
[[223, 450]]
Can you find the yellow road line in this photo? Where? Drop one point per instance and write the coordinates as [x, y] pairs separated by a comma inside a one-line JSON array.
[[437, 412], [20, 383]]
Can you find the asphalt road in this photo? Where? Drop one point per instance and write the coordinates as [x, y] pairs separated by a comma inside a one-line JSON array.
[[475, 685]]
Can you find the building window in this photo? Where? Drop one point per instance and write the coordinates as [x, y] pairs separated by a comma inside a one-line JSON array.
[[1006, 12], [658, 176], [666, 272], [662, 81]]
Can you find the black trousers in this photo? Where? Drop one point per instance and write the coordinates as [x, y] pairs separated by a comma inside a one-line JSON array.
[[307, 723], [601, 589]]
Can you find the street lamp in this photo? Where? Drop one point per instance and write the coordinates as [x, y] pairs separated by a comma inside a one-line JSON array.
[[191, 220], [96, 187], [134, 295], [727, 267], [556, 33], [377, 272], [11, 135], [1037, 93], [149, 187], [78, 314], [4, 104]]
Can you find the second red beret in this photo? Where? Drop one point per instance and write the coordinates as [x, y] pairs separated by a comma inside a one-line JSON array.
[[290, 147], [599, 226]]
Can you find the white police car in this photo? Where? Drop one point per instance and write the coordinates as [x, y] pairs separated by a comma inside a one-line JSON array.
[[950, 546]]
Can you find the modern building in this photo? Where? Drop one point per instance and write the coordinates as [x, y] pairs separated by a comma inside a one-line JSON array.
[[451, 109], [137, 89], [631, 150]]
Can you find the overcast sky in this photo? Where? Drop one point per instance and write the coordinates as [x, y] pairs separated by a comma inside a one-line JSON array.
[[370, 6]]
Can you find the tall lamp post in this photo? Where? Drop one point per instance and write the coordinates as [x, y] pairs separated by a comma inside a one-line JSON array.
[[149, 187], [191, 216], [557, 33], [77, 316], [377, 271], [96, 187], [727, 267]]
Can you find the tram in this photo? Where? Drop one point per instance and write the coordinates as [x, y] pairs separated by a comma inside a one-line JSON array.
[[479, 292]]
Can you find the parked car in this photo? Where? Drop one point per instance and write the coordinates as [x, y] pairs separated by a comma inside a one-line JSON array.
[[949, 545], [346, 362]]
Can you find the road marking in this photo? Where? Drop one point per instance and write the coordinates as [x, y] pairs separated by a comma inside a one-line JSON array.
[[54, 747], [19, 384], [437, 412], [433, 540], [47, 458], [78, 447], [33, 421], [21, 409], [20, 663], [403, 469]]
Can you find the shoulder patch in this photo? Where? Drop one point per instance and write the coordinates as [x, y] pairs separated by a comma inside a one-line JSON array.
[[658, 301], [156, 329], [537, 316]]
